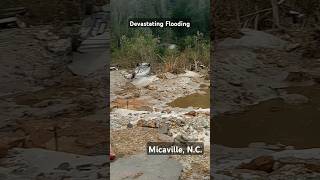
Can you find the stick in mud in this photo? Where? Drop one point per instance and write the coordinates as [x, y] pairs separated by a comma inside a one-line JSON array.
[[55, 137], [127, 103]]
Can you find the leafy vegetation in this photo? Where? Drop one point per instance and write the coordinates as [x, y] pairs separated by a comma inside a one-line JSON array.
[[157, 45]]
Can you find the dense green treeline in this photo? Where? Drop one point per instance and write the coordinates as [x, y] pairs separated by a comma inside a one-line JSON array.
[[155, 45], [198, 11]]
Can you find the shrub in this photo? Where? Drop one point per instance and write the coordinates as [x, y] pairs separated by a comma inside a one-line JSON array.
[[144, 47]]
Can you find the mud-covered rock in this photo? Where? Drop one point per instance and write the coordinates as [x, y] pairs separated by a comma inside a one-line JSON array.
[[295, 99], [60, 47], [148, 123], [262, 163]]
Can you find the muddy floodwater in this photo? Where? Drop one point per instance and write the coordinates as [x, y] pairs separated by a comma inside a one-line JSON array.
[[198, 100], [273, 122]]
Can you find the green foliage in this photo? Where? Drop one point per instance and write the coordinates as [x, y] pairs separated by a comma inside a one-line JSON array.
[[144, 47]]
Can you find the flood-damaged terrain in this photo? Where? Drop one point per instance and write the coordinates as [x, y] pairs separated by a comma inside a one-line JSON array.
[[266, 106], [49, 111], [162, 107]]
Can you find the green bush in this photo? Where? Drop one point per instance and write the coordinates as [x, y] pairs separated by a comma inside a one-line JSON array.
[[144, 47]]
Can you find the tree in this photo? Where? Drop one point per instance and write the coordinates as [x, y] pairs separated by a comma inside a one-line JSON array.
[[275, 12]]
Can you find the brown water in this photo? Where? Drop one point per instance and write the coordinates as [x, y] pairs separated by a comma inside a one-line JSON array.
[[273, 122], [195, 100]]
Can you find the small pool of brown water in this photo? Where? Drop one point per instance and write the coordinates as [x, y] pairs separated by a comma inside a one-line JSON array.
[[273, 122], [199, 100]]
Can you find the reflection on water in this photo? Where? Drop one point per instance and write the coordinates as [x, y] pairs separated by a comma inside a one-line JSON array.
[[273, 122], [200, 100]]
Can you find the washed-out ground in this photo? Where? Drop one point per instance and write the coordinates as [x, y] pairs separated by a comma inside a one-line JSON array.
[[49, 113], [157, 108], [266, 106]]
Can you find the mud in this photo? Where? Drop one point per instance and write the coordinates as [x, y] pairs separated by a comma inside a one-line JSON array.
[[197, 100], [274, 122], [266, 104], [46, 110]]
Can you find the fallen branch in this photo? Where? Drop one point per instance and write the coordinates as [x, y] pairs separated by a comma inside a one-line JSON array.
[[257, 12], [261, 11], [19, 9]]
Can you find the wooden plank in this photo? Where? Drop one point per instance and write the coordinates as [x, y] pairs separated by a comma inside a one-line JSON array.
[[18, 10], [11, 12], [8, 20]]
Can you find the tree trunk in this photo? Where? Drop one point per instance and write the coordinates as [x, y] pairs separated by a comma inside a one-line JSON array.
[[237, 11], [256, 19], [275, 10]]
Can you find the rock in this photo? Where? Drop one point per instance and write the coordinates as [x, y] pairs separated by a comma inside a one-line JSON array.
[[235, 82], [168, 111], [180, 122], [180, 139], [151, 87], [143, 166], [298, 76], [292, 47], [164, 128], [191, 113], [295, 99], [262, 163], [64, 166], [166, 75], [60, 47], [45, 35], [149, 123]]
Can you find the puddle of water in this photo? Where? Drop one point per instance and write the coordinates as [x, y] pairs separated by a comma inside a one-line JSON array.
[[195, 100], [273, 122]]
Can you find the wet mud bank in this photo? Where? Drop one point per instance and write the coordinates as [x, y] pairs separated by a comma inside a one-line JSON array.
[[275, 121], [266, 108]]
